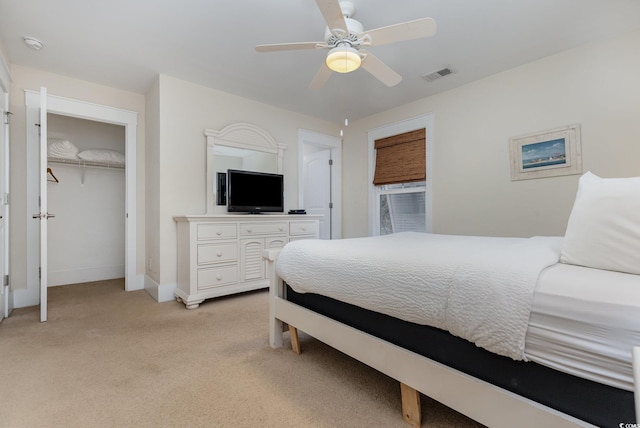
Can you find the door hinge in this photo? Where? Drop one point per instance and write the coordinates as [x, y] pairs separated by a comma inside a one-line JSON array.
[[7, 114], [39, 273], [330, 205], [6, 199], [6, 280], [330, 162]]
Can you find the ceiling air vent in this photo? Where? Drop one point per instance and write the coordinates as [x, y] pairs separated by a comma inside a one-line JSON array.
[[430, 77]]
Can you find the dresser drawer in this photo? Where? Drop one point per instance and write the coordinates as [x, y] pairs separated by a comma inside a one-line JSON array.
[[217, 231], [303, 228], [217, 253], [261, 228], [216, 277], [275, 242]]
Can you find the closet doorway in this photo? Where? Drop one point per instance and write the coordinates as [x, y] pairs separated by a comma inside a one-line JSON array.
[[40, 107], [86, 238]]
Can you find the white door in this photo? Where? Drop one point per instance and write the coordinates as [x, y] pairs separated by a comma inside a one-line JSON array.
[[43, 216], [4, 211], [319, 184], [316, 171]]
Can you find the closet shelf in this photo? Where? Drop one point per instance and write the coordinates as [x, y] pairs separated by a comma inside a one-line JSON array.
[[82, 162]]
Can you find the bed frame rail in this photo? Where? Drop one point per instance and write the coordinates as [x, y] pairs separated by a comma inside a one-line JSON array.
[[479, 400]]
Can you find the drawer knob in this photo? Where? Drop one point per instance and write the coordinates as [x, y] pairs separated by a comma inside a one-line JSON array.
[[219, 277], [219, 254], [249, 230], [304, 229], [219, 232]]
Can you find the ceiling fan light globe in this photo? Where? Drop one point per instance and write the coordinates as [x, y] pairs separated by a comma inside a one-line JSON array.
[[343, 59]]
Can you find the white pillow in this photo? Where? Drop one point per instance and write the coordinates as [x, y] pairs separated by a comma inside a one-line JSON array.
[[102, 155], [60, 148], [604, 226]]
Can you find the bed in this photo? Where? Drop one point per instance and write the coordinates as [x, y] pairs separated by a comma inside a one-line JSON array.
[[509, 331]]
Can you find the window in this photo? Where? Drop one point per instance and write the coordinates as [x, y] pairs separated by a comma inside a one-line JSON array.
[[400, 182], [402, 208], [401, 158]]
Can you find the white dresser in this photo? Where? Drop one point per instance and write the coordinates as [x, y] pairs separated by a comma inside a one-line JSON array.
[[222, 254]]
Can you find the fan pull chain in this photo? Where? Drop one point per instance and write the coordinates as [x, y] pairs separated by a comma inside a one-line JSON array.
[[346, 123]]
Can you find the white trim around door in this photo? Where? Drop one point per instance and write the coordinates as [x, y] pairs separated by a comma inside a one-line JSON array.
[[128, 119]]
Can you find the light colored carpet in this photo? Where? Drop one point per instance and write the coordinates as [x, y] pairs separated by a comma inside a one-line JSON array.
[[110, 358]]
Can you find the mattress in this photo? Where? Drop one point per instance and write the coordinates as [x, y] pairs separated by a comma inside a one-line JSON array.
[[477, 288], [585, 322]]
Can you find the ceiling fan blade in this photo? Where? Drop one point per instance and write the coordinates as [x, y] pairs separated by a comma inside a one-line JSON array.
[[321, 77], [290, 46], [380, 70], [424, 27], [332, 14]]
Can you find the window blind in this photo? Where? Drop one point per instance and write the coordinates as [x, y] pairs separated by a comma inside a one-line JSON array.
[[401, 158]]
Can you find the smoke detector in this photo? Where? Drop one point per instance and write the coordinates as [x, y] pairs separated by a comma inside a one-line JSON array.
[[33, 43], [430, 77]]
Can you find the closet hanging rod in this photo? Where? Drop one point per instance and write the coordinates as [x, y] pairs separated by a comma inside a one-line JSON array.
[[81, 162]]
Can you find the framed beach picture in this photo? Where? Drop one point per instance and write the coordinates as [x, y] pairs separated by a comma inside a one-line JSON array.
[[546, 154]]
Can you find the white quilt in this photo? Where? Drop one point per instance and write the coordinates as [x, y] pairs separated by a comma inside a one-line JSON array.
[[478, 288]]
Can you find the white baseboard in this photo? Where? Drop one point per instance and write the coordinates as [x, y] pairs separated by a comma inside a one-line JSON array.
[[162, 293], [136, 282], [7, 304], [77, 276], [23, 298]]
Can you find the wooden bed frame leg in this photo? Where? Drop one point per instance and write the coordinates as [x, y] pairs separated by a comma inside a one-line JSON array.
[[276, 289], [295, 341], [411, 411], [635, 359]]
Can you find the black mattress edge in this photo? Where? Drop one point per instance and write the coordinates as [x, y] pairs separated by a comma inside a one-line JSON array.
[[590, 401]]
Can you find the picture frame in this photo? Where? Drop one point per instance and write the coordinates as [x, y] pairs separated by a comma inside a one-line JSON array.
[[549, 153]]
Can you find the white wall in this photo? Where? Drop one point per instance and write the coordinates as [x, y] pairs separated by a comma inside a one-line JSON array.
[[86, 238], [594, 85], [32, 79], [185, 111], [5, 78], [152, 194]]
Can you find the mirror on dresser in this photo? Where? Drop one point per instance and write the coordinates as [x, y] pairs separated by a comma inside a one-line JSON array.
[[239, 146]]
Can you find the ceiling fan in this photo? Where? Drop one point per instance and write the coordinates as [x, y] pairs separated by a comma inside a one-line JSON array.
[[345, 38]]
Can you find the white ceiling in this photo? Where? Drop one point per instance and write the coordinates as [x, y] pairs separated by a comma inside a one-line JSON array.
[[127, 43]]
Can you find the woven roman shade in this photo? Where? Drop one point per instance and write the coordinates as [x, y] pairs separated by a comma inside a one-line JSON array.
[[401, 158]]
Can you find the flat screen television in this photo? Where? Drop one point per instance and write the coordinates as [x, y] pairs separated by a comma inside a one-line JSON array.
[[254, 192]]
